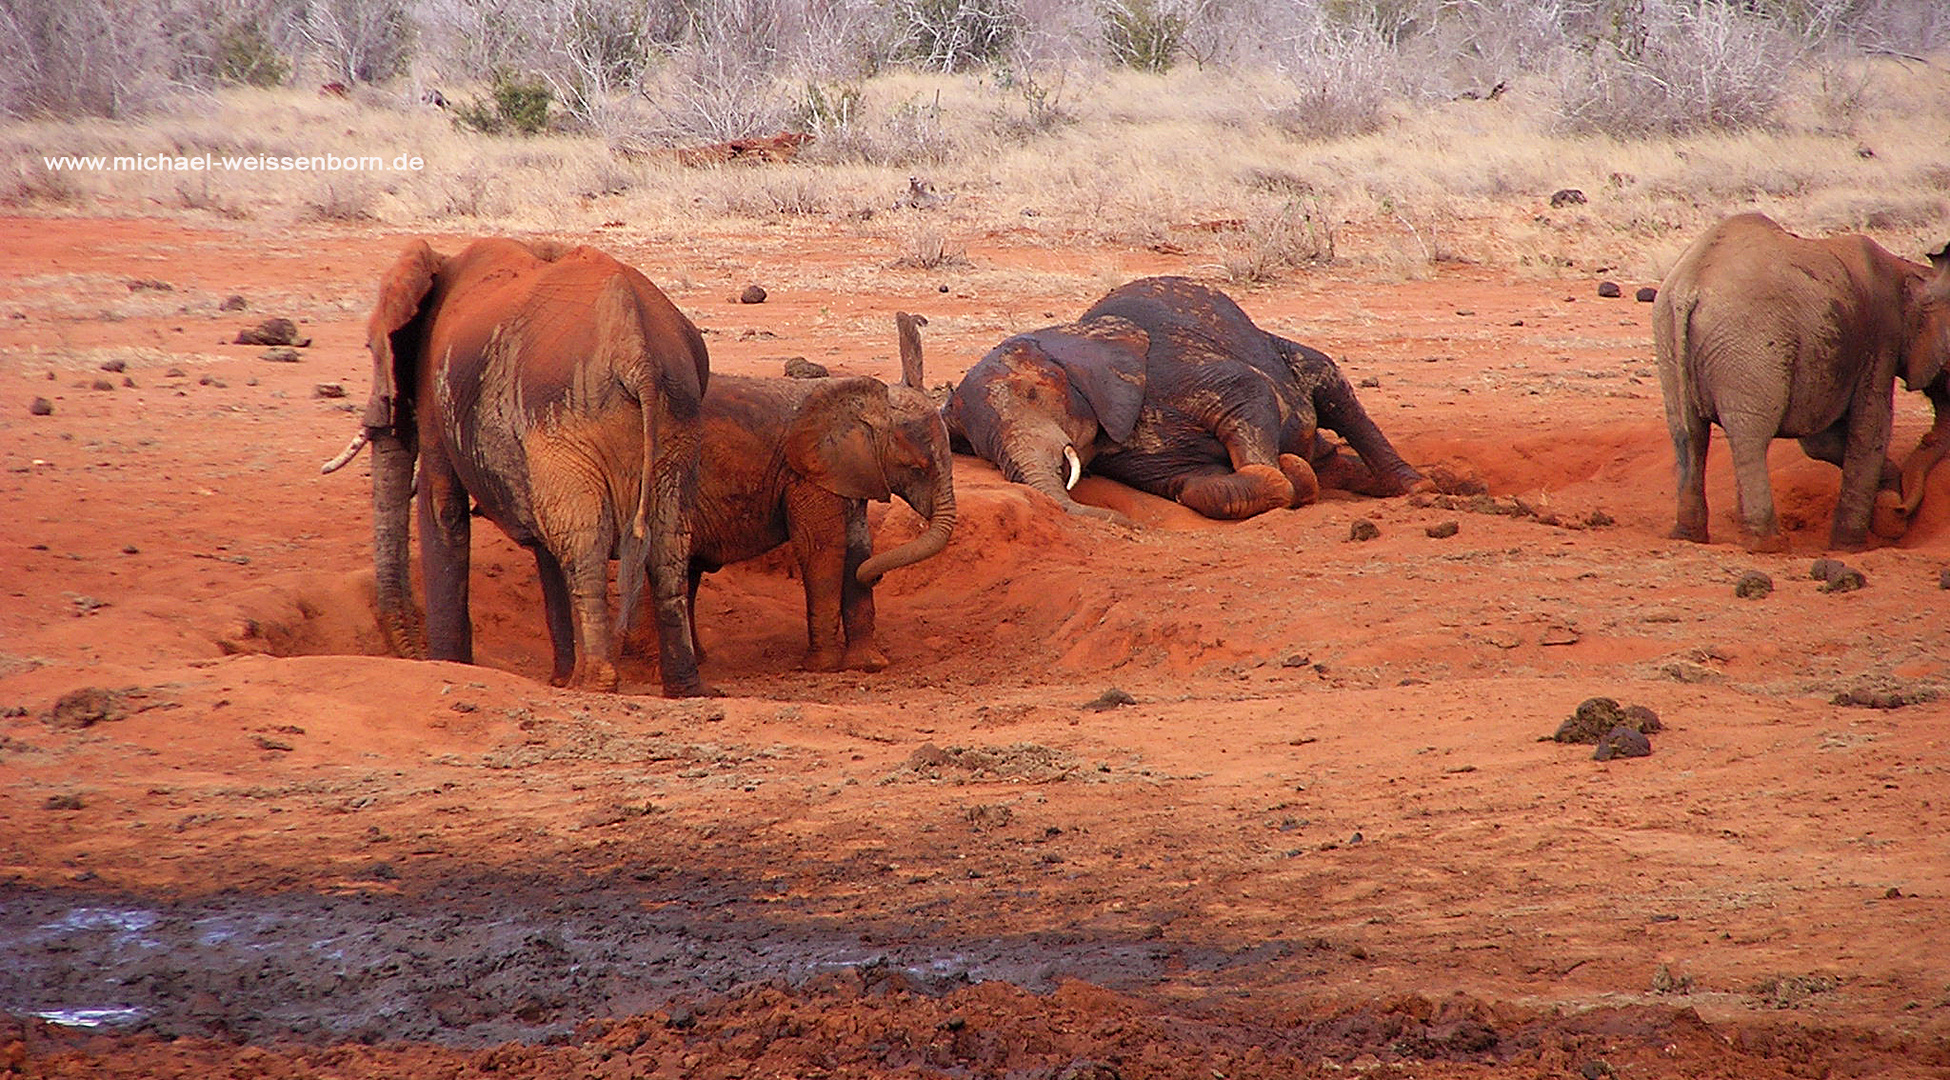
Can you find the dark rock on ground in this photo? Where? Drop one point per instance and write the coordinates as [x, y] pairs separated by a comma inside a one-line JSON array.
[[753, 294], [1363, 529], [1622, 742], [801, 368], [1609, 290], [1753, 585]]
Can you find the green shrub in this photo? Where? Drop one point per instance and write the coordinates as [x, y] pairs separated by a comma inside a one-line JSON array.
[[245, 55], [1144, 34], [514, 105]]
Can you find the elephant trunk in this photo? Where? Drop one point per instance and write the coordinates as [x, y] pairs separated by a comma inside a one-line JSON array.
[[1337, 409], [940, 512], [392, 492]]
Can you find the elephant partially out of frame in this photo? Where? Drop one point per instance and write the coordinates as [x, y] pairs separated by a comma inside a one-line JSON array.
[[1166, 385], [559, 391], [1772, 335], [796, 460]]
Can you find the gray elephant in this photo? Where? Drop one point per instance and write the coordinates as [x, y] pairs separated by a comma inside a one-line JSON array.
[[1166, 385], [1772, 335], [796, 459], [559, 391]]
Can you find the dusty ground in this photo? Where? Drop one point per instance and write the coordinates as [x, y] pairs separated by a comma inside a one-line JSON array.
[[1326, 835]]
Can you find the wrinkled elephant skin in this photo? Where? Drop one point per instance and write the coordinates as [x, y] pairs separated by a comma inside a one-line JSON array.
[[1772, 335], [559, 391]]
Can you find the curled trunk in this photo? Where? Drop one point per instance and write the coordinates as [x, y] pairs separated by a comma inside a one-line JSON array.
[[940, 513]]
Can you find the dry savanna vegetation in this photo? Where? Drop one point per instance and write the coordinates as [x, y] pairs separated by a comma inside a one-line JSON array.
[[1298, 796]]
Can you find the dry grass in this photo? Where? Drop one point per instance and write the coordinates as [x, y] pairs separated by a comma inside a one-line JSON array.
[[1124, 158]]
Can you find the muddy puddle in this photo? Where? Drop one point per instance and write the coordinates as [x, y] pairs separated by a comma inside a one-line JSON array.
[[472, 968]]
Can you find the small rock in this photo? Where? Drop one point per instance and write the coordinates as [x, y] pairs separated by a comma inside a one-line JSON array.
[[1297, 660], [1444, 529], [941, 288], [85, 707], [1609, 290], [1564, 197], [1363, 529], [1892, 893], [1598, 519], [1622, 742], [1559, 635], [101, 384], [1370, 382], [41, 406], [1109, 699], [62, 802], [1753, 585], [233, 302], [1592, 719], [1642, 719], [277, 331], [328, 390], [801, 368], [1847, 579], [1646, 294], [1824, 569], [115, 365], [281, 354], [150, 285], [1943, 578], [753, 294]]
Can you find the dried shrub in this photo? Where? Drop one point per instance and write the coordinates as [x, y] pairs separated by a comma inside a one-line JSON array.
[[1299, 232], [1670, 68], [1339, 82]]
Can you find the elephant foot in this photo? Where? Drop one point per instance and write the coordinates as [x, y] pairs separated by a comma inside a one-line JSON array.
[[1694, 533], [1253, 490], [1771, 544], [695, 688], [596, 676], [1889, 518], [823, 660], [865, 658], [1306, 485]]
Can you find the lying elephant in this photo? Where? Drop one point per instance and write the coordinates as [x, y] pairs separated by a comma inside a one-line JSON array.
[[796, 459], [1771, 335], [1167, 386], [559, 391]]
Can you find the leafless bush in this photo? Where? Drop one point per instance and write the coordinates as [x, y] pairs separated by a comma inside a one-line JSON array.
[[846, 130], [712, 97], [361, 40], [952, 35], [82, 57], [1299, 232], [1340, 87], [1673, 68], [928, 249]]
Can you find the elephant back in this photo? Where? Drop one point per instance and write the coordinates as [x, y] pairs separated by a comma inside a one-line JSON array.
[[1190, 323]]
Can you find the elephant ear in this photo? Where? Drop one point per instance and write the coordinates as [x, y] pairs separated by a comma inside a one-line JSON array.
[[394, 361], [839, 438], [1929, 346], [1104, 360]]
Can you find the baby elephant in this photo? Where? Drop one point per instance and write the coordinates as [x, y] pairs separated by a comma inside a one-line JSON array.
[[1773, 336], [796, 459]]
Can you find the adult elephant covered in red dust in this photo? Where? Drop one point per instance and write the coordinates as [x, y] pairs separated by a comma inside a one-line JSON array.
[[1772, 335], [1166, 385], [559, 390]]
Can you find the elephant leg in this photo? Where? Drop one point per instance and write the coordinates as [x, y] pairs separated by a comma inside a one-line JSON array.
[[1753, 487], [586, 572], [816, 522], [1863, 465], [445, 536], [1258, 481], [1690, 438], [1299, 473], [560, 613], [1888, 516], [856, 599]]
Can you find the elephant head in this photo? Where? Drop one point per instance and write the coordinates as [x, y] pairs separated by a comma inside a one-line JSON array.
[[1040, 405], [393, 334], [862, 439], [1926, 351]]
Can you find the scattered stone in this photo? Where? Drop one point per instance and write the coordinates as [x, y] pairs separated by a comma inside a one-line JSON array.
[[801, 368], [1665, 982], [115, 365], [1589, 723], [1610, 290], [1109, 699], [1297, 660], [233, 302], [1598, 519], [1564, 197], [1883, 693], [86, 707], [1362, 530], [40, 406], [1370, 382], [1844, 579], [101, 384], [1825, 569], [281, 354], [328, 390], [1646, 294], [275, 331], [1442, 530], [1641, 718], [1892, 893], [62, 802], [1943, 578], [753, 294], [1753, 585], [1622, 742], [150, 285], [983, 816], [1559, 635]]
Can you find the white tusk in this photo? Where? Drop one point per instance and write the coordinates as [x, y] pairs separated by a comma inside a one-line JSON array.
[[1076, 467], [346, 455]]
